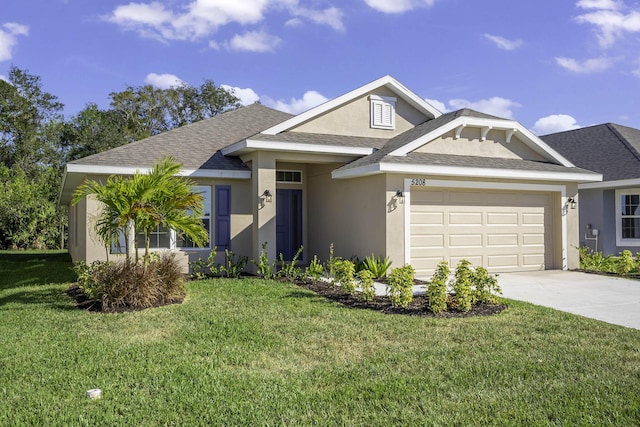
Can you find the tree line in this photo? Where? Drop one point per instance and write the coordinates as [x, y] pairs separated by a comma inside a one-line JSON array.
[[37, 140]]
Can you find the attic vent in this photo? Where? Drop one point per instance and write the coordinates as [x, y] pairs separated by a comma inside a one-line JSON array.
[[383, 109]]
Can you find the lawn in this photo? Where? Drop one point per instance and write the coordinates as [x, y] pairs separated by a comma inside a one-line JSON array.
[[252, 352]]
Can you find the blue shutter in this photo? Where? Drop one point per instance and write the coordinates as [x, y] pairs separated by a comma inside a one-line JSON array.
[[223, 217]]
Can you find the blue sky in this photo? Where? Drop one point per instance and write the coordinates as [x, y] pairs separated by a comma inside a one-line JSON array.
[[550, 64]]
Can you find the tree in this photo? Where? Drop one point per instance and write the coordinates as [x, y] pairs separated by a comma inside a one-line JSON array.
[[145, 201]]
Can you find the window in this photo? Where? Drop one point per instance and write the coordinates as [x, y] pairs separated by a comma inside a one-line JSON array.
[[294, 177], [628, 217], [184, 241], [160, 238], [383, 110]]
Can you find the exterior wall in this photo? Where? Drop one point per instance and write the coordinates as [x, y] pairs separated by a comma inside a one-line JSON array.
[[469, 144], [591, 213], [353, 119], [348, 213]]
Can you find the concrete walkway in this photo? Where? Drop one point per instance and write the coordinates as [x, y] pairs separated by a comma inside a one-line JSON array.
[[605, 298]]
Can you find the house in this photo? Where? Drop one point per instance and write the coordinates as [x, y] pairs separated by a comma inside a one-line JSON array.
[[610, 209], [376, 170]]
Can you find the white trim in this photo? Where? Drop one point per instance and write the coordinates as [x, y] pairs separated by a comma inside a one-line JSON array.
[[480, 185], [256, 144], [619, 240], [127, 170], [529, 138], [462, 171], [610, 184], [388, 81], [289, 170]]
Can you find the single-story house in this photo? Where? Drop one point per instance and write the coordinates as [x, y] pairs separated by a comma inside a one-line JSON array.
[[377, 170], [610, 209]]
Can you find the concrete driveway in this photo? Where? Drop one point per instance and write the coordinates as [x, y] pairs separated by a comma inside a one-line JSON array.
[[609, 299]]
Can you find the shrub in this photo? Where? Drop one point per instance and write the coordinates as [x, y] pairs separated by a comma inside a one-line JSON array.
[[485, 286], [368, 291], [201, 269], [462, 286], [437, 288], [377, 266], [290, 271], [315, 269], [233, 267], [344, 271], [331, 262], [625, 263], [126, 285], [400, 286], [263, 267]]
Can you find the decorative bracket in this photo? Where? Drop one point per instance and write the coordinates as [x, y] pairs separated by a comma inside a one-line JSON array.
[[485, 131], [510, 133], [459, 130]]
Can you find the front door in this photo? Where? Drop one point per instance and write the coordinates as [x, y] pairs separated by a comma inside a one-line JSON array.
[[288, 222]]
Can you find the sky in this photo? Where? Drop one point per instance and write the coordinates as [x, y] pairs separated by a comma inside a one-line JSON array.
[[552, 65]]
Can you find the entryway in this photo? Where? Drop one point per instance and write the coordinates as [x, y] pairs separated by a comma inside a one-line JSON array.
[[288, 222]]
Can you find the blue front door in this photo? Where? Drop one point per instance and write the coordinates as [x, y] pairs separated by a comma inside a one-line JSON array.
[[288, 222]]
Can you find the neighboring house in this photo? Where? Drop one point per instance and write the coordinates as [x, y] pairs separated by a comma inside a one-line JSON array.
[[377, 170], [609, 210]]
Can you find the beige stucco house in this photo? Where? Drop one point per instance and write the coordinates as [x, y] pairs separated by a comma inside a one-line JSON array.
[[377, 170]]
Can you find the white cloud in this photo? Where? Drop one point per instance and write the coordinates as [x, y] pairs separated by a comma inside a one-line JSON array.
[[611, 19], [8, 38], [440, 106], [214, 45], [254, 41], [397, 6], [247, 96], [309, 100], [202, 18], [164, 81], [5, 78], [503, 43], [554, 123], [593, 65], [495, 106]]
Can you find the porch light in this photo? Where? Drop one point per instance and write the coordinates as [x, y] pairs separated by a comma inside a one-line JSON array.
[[267, 196], [572, 202], [400, 196]]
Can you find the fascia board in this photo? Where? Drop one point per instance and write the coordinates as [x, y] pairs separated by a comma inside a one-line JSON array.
[[127, 170], [398, 88], [256, 144], [465, 172], [530, 139], [64, 182], [610, 184]]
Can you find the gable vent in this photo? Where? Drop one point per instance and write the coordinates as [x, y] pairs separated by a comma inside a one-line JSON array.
[[383, 112]]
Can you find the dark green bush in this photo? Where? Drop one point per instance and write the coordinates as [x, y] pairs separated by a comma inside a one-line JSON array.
[[400, 286]]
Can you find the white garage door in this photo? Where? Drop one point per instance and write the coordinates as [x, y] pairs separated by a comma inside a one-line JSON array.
[[499, 230]]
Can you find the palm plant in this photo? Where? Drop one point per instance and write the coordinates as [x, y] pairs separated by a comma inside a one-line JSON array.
[[144, 202]]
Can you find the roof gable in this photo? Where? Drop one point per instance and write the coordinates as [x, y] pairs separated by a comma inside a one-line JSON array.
[[610, 149], [387, 82]]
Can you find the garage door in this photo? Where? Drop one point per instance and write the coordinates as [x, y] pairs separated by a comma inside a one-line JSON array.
[[499, 230]]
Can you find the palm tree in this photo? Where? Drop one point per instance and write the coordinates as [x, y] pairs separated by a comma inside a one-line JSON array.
[[144, 202]]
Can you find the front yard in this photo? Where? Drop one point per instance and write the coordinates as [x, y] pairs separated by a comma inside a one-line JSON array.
[[254, 352]]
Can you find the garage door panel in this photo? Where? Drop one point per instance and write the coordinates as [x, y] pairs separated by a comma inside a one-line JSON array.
[[502, 231]]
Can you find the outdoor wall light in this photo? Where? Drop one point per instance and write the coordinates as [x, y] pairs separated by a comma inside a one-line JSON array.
[[400, 196], [572, 202], [267, 196]]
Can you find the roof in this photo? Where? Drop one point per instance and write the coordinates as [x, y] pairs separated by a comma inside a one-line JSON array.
[[196, 146], [324, 139], [610, 149]]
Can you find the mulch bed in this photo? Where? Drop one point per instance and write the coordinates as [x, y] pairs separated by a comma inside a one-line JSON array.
[[84, 302], [418, 307]]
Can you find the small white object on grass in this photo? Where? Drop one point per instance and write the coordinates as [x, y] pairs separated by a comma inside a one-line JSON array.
[[94, 393]]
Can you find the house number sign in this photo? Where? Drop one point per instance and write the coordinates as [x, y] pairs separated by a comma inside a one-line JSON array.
[[419, 182]]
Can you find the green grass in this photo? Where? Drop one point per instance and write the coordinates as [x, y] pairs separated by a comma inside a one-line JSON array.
[[252, 352]]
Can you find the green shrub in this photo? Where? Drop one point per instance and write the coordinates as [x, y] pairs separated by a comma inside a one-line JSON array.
[[291, 271], [377, 266], [625, 263], [400, 286], [86, 274], [485, 286], [331, 262], [263, 267], [201, 269], [315, 269], [233, 267], [344, 271], [437, 288], [368, 291], [126, 285], [462, 286]]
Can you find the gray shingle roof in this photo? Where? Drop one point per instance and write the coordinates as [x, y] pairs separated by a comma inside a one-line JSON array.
[[610, 149], [196, 146], [324, 139]]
